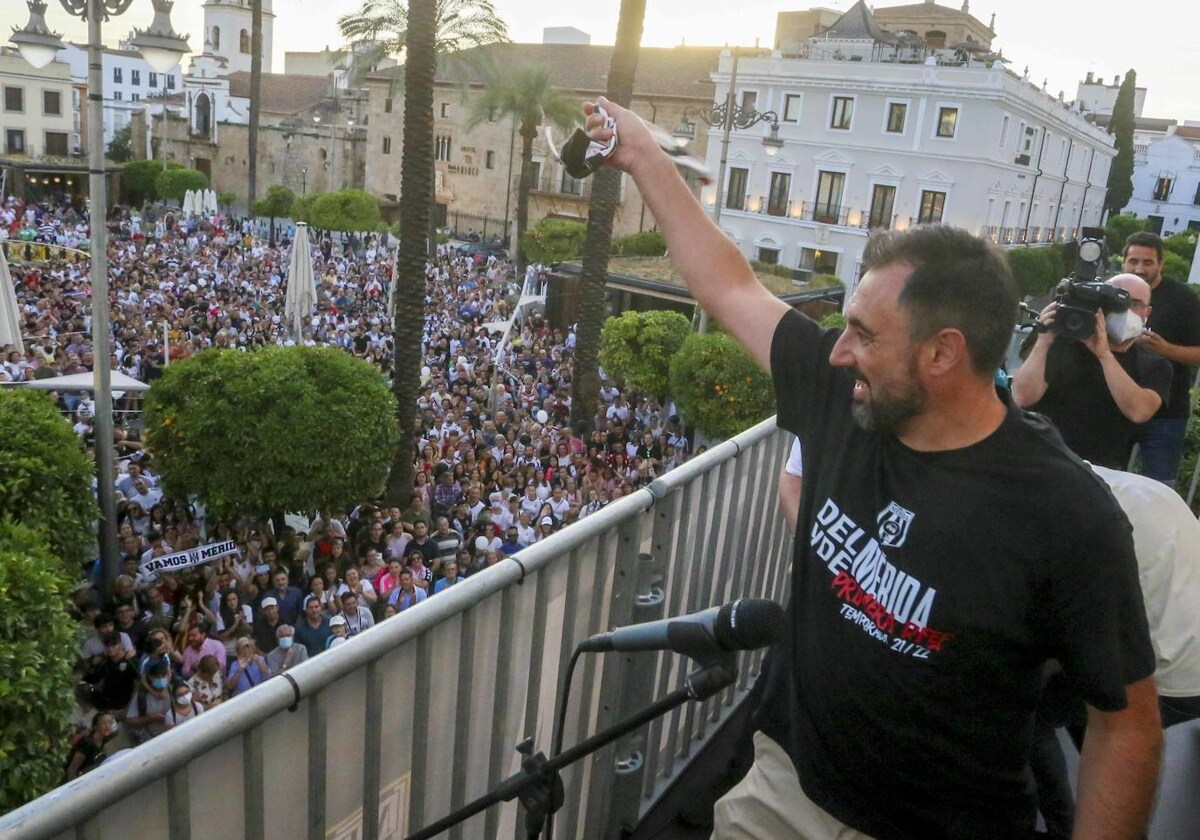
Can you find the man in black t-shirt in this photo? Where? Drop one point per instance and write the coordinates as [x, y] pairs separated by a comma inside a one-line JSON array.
[[1174, 334], [1096, 391], [947, 546]]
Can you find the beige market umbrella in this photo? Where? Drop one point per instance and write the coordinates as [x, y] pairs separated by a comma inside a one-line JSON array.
[[301, 294], [10, 320]]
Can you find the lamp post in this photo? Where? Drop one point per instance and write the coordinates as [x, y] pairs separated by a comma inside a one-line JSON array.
[[162, 48], [303, 180], [730, 115]]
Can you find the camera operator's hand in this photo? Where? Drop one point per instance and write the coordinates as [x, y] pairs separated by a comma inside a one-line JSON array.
[[634, 144], [1046, 321], [1097, 342]]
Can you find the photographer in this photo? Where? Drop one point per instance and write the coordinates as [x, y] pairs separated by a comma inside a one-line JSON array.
[[1096, 390]]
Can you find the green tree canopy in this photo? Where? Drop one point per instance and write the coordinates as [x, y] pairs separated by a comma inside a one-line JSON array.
[[174, 182], [226, 198], [1118, 229], [38, 648], [638, 347], [553, 240], [278, 429], [719, 388], [138, 180], [120, 148], [278, 202], [1120, 173], [45, 477], [344, 210]]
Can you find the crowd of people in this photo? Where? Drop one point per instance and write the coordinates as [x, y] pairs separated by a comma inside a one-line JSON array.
[[498, 465]]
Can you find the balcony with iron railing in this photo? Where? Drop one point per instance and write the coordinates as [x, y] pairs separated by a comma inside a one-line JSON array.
[[818, 212], [563, 186]]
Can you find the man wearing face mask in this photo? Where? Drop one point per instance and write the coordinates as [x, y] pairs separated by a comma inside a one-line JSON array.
[[1098, 390]]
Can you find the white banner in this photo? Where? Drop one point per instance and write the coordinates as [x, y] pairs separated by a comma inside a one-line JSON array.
[[186, 559]]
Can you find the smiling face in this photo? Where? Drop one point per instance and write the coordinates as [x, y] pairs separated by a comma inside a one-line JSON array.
[[877, 352]]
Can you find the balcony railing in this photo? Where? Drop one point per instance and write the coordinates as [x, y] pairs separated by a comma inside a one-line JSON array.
[[564, 186]]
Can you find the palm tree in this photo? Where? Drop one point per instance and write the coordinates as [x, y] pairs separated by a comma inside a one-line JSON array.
[[380, 29], [256, 24], [528, 95], [416, 188], [585, 379]]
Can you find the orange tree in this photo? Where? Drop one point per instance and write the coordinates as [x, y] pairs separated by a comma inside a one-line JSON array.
[[719, 388]]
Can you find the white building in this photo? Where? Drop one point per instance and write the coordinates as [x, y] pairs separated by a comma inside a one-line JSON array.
[[38, 112], [872, 142], [1166, 181], [1095, 96], [227, 31], [128, 80]]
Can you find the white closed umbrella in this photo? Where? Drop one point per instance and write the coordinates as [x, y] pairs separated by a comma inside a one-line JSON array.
[[189, 203], [391, 307], [301, 295], [210, 202], [10, 321]]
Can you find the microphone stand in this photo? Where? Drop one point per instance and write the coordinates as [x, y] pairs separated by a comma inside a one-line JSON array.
[[538, 784]]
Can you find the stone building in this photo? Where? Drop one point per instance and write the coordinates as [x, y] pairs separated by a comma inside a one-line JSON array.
[[477, 169], [310, 135]]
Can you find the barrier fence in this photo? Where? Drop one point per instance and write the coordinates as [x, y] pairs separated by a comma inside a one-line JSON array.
[[403, 724]]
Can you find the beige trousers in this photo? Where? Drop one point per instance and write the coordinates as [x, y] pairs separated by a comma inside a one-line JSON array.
[[769, 803]]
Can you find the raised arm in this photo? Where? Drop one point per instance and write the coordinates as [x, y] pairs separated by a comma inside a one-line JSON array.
[[715, 271]]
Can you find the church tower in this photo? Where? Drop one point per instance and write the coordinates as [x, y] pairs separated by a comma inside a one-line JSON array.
[[227, 27]]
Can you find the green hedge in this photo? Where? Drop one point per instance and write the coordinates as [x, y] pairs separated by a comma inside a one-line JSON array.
[[719, 388], [647, 243], [38, 642], [45, 477], [1037, 270]]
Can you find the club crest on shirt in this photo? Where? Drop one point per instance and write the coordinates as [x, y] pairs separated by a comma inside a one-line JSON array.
[[893, 525]]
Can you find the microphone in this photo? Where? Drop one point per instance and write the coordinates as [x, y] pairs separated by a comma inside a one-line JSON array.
[[743, 625]]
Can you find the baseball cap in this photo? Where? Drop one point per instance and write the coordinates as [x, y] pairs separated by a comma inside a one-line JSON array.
[[337, 621], [268, 602], [546, 520]]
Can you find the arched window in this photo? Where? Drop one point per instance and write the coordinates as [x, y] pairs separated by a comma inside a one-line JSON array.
[[244, 42], [203, 115], [216, 38], [936, 39]]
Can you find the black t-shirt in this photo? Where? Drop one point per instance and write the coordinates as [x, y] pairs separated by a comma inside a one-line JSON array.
[[1175, 315], [928, 590], [1078, 400]]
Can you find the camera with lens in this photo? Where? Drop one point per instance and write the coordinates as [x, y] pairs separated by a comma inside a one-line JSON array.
[[1080, 295]]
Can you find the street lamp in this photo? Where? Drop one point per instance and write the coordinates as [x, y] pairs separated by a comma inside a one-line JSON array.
[[730, 115], [303, 180], [38, 45]]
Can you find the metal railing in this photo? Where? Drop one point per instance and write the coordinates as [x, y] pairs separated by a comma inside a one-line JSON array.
[[419, 715]]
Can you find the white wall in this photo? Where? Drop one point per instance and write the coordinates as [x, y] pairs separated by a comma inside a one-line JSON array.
[[121, 97]]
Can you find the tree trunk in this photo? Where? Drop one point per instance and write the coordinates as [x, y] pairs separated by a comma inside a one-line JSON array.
[[416, 189], [255, 96], [528, 132], [585, 382]]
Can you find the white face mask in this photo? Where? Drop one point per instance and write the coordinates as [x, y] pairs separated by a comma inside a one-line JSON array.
[[184, 699], [1123, 326]]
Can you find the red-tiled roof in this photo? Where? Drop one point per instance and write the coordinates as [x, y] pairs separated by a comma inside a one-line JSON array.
[[283, 93]]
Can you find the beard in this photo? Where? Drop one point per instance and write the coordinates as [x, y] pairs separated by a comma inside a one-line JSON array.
[[889, 411]]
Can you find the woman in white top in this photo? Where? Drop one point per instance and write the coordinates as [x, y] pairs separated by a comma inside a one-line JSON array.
[[359, 585]]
